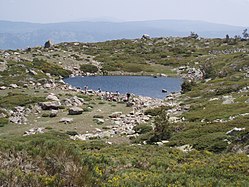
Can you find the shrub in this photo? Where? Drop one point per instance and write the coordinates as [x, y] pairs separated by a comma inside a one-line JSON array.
[[98, 116], [15, 99], [142, 128], [162, 128], [153, 111], [45, 115], [47, 67], [187, 86], [71, 133], [89, 68]]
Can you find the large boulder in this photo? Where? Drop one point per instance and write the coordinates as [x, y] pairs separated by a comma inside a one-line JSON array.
[[75, 111], [48, 44], [53, 105]]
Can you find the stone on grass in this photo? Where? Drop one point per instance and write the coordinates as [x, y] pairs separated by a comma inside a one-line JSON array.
[[53, 113], [234, 130], [52, 97], [115, 114], [75, 111], [66, 120], [53, 105], [227, 100], [99, 121], [13, 86], [3, 88]]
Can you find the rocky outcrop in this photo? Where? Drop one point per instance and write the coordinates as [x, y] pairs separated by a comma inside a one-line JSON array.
[[18, 115]]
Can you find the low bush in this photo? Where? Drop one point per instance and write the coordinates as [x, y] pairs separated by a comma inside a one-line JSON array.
[[71, 133], [16, 99], [142, 128], [89, 68], [187, 86], [3, 121]]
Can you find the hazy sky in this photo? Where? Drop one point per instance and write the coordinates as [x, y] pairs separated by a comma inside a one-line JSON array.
[[233, 12]]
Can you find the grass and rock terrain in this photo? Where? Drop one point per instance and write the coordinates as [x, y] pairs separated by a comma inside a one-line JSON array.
[[52, 134]]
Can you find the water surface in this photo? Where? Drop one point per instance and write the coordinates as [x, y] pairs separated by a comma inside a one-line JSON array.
[[138, 85]]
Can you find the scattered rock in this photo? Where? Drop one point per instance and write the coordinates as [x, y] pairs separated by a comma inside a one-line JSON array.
[[185, 148], [73, 101], [99, 121], [75, 111], [66, 120], [227, 100], [129, 104], [247, 101], [159, 143], [53, 113], [32, 72], [18, 119], [115, 114], [235, 130], [48, 86], [2, 115], [146, 37], [18, 115], [3, 88], [52, 97], [34, 131], [13, 86], [3, 66]]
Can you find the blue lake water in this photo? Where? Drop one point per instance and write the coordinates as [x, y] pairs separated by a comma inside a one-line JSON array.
[[138, 85]]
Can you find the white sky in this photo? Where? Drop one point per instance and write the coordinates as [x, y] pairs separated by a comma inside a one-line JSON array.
[[233, 12]]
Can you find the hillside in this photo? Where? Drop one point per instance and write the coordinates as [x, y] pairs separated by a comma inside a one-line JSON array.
[[15, 35], [199, 137]]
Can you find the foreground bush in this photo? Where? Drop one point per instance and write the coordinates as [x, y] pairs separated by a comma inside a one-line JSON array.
[[52, 159]]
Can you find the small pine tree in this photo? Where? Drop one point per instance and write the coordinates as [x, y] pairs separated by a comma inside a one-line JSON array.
[[162, 128], [245, 34]]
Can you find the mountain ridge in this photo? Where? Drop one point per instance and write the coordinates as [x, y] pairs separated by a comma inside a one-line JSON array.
[[15, 35]]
